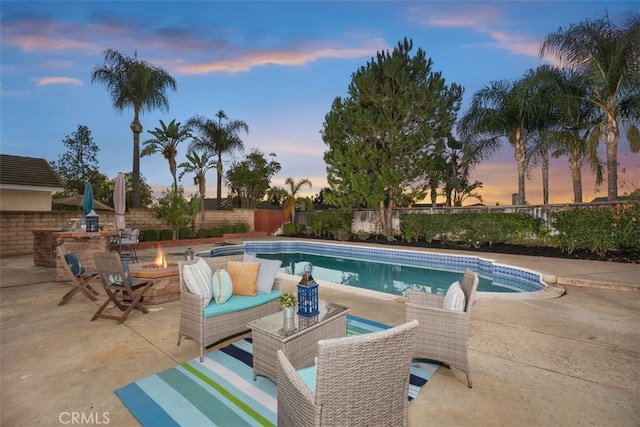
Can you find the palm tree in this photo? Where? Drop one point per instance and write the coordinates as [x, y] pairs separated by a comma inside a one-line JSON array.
[[542, 85], [293, 188], [166, 141], [454, 165], [502, 109], [608, 57], [198, 165], [137, 84], [216, 139], [570, 126]]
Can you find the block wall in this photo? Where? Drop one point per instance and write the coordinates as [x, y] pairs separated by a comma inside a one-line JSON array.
[[16, 236]]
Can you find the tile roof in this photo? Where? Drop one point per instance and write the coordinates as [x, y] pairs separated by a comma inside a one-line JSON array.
[[28, 172]]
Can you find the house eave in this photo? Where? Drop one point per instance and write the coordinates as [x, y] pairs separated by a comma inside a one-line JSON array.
[[30, 188]]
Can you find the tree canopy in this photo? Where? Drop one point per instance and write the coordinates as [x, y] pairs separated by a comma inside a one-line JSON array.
[[608, 57], [249, 179], [139, 85], [77, 163], [215, 139], [400, 113]]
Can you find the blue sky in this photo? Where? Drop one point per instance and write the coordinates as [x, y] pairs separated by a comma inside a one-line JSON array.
[[275, 65]]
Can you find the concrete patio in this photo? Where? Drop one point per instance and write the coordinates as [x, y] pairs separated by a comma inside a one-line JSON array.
[[569, 360]]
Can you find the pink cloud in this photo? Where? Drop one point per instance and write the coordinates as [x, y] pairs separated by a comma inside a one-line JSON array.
[[59, 80], [477, 18], [474, 16], [285, 57], [515, 43], [31, 43]]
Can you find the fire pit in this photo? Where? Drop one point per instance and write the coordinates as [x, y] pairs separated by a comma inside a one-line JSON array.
[[166, 283], [157, 267]]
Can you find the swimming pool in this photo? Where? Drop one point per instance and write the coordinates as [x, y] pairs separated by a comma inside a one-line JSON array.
[[392, 271]]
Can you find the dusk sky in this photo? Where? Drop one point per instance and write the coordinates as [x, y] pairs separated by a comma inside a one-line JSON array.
[[276, 65]]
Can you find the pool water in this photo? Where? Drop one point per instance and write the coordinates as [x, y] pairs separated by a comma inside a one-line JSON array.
[[376, 276], [392, 271]]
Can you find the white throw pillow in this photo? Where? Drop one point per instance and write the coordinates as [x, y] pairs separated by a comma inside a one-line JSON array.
[[221, 286], [267, 274], [454, 298], [197, 277]]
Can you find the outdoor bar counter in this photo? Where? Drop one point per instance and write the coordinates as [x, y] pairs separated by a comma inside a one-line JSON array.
[[83, 243]]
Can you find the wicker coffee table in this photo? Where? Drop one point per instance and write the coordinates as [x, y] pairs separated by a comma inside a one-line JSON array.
[[298, 337]]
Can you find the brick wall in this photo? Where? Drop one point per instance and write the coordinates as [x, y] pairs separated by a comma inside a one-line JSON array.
[[16, 236]]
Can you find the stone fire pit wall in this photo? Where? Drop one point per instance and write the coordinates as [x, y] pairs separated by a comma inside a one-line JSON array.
[[166, 282]]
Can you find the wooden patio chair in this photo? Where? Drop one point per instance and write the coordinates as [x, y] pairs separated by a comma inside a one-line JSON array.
[[361, 380], [121, 289], [79, 281], [443, 334]]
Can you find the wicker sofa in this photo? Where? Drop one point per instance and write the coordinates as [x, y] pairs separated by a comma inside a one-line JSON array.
[[215, 323]]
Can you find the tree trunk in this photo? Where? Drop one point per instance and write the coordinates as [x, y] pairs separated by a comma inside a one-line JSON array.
[[136, 128], [203, 190], [520, 155], [173, 168], [575, 164], [386, 218], [219, 181], [612, 137], [545, 177], [382, 217], [434, 195]]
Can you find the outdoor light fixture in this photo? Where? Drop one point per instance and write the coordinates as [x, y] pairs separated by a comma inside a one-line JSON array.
[[188, 255], [308, 294], [91, 221]]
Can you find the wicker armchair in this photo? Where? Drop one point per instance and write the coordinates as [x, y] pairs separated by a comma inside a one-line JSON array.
[[443, 334], [361, 380]]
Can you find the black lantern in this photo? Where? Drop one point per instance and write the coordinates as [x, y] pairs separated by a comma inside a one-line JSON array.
[[91, 221], [308, 294], [188, 255]]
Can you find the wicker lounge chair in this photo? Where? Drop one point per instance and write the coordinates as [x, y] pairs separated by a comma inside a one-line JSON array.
[[361, 380], [443, 334], [79, 282]]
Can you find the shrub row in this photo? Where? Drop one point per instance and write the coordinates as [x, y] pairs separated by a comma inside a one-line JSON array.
[[334, 224], [599, 230], [185, 232], [474, 229]]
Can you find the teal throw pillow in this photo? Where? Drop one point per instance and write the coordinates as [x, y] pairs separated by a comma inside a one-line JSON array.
[[74, 264], [221, 286]]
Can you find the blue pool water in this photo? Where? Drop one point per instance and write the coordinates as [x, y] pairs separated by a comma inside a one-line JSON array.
[[392, 271]]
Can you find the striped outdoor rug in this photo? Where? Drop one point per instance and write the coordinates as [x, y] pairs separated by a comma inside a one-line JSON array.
[[221, 391]]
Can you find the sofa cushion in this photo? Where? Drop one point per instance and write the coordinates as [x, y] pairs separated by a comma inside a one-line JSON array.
[[454, 299], [221, 286], [244, 276], [267, 274], [197, 277], [239, 302], [308, 376]]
